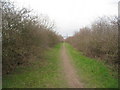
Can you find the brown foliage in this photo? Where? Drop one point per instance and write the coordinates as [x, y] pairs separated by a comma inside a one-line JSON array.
[[24, 35], [101, 40]]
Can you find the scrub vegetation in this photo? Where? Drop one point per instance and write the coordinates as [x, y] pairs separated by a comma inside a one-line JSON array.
[[35, 56], [93, 73], [42, 73], [100, 41], [24, 36]]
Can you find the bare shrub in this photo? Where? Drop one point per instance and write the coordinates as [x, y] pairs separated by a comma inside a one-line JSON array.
[[99, 41], [24, 35]]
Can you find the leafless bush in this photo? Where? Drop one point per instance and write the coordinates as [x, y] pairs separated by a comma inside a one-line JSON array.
[[99, 41], [24, 35]]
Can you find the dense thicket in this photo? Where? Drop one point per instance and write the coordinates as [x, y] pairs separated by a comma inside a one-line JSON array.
[[99, 41], [24, 36]]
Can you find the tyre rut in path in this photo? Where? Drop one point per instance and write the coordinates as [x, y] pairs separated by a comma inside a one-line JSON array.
[[68, 70]]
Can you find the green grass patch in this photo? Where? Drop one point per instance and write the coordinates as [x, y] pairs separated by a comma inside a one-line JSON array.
[[93, 73], [41, 74]]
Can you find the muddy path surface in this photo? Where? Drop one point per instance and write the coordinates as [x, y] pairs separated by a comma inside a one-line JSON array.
[[69, 70]]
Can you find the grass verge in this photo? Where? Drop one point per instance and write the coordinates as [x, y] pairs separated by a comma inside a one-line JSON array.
[[41, 74], [93, 73]]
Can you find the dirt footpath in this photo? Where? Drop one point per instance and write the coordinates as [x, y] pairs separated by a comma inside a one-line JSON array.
[[68, 70]]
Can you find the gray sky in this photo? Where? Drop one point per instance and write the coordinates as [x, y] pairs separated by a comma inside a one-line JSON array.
[[71, 15]]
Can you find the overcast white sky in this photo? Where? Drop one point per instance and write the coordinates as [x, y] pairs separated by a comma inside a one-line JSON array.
[[71, 15]]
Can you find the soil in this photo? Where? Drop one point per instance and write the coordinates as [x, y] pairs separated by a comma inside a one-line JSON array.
[[69, 70]]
